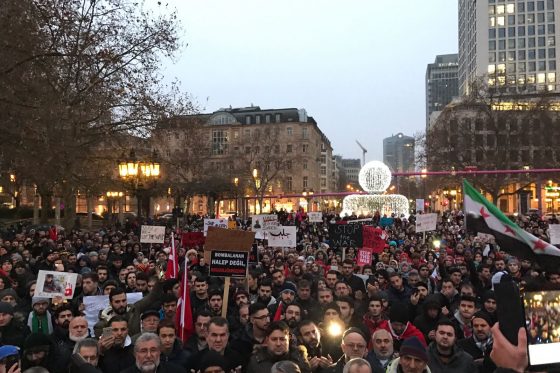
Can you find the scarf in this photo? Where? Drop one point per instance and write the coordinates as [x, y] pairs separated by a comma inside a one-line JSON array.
[[467, 330], [483, 346], [40, 324]]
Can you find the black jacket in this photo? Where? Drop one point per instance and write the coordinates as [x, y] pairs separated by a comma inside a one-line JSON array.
[[117, 359], [232, 357], [14, 333], [162, 368], [178, 356]]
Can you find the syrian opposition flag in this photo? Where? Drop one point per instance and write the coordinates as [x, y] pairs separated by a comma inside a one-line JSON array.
[[483, 217], [184, 317], [172, 269]]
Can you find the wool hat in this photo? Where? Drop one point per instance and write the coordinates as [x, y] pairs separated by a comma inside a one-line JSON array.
[[8, 350], [484, 316], [413, 347], [36, 300], [149, 313], [398, 313], [288, 286], [37, 341], [6, 308]]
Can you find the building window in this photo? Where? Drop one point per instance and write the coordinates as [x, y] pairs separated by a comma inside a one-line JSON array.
[[323, 182], [289, 148], [257, 149], [304, 148], [267, 118], [277, 118], [304, 165], [305, 181], [289, 187], [219, 142], [288, 165], [247, 119], [247, 150], [323, 159], [305, 133], [323, 170], [290, 131]]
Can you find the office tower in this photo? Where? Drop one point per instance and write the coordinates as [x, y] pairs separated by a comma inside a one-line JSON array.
[[442, 83]]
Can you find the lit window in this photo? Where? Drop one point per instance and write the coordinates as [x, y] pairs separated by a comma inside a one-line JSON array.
[[501, 21], [491, 9], [541, 78], [531, 79], [510, 8], [491, 82], [521, 80], [492, 21], [501, 80], [500, 9], [491, 69], [501, 68], [289, 130], [551, 77]]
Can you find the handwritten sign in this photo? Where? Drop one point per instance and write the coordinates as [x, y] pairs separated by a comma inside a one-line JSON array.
[[152, 234], [229, 263], [374, 238], [283, 236], [420, 204], [53, 284], [346, 235], [554, 233], [218, 223], [315, 217], [426, 222], [364, 257]]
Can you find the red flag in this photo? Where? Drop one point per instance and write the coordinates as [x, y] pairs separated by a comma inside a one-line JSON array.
[[278, 313], [183, 318], [172, 262]]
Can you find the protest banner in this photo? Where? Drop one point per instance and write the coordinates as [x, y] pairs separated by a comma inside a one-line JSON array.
[[373, 238], [229, 263], [191, 239], [219, 223], [53, 284], [152, 234], [554, 233], [315, 217], [364, 257], [426, 222], [386, 222], [346, 235], [229, 240], [283, 236]]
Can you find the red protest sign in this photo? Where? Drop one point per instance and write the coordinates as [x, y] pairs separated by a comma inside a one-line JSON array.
[[373, 238], [191, 239], [364, 257]]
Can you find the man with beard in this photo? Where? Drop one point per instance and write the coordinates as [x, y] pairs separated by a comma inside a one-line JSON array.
[[215, 302], [382, 353], [277, 348], [147, 353], [77, 331], [62, 318], [304, 298], [444, 355], [479, 345], [264, 293], [12, 331], [254, 333], [40, 319], [354, 345], [374, 315], [310, 337], [197, 341], [168, 306], [286, 297], [292, 316], [142, 283], [278, 280], [356, 284], [116, 350]]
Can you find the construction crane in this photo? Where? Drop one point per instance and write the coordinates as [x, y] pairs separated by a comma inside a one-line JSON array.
[[364, 151]]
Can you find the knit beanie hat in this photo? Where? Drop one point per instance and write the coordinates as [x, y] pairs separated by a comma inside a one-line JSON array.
[[413, 347], [483, 315], [399, 313], [6, 308], [37, 299]]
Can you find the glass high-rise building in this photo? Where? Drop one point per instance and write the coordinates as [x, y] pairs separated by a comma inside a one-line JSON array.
[[442, 83], [512, 43]]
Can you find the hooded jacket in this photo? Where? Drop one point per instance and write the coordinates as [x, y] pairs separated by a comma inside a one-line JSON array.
[[409, 331]]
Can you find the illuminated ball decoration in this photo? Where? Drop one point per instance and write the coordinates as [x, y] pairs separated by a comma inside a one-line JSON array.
[[375, 177]]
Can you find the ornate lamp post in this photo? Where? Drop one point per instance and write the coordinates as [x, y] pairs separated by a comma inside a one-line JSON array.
[[139, 174]]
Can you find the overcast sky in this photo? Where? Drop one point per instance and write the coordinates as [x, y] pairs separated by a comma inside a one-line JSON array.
[[356, 66]]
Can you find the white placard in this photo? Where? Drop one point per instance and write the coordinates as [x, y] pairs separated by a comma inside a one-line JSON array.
[[554, 233], [152, 234], [264, 222], [420, 204], [315, 217], [218, 223], [283, 236], [52, 284], [426, 222], [96, 303]]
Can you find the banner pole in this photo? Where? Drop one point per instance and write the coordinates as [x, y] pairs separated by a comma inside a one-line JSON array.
[[225, 297]]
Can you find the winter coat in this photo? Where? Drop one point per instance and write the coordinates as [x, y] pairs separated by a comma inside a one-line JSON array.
[[460, 361], [262, 361], [14, 333], [394, 367]]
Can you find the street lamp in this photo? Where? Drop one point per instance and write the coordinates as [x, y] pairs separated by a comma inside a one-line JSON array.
[[138, 173]]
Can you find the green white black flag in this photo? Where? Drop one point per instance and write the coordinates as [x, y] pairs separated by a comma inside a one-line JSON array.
[[483, 217]]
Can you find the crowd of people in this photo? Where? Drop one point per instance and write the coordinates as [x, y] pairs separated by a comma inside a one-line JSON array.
[[424, 304]]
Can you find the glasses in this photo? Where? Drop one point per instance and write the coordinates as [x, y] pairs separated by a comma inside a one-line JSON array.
[[263, 317], [355, 346]]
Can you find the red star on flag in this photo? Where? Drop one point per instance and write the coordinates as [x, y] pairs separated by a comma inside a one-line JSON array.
[[483, 213], [509, 230], [540, 245]]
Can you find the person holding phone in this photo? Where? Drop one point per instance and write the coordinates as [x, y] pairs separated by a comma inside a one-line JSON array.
[[9, 359]]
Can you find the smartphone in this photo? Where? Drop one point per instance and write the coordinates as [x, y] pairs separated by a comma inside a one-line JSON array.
[[541, 311], [107, 332], [509, 307], [10, 361]]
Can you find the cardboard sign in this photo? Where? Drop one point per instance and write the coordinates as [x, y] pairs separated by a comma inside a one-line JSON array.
[[420, 204], [346, 235], [426, 222], [315, 217], [192, 239], [152, 234], [554, 233], [219, 223], [374, 238], [364, 257], [227, 240], [283, 236], [229, 263], [53, 284]]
